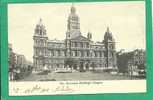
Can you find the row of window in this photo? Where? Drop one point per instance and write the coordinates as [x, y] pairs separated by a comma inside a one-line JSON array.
[[38, 62], [39, 52], [56, 45], [40, 42], [73, 44], [139, 57], [139, 62], [54, 61], [54, 66], [74, 53], [40, 30], [80, 44], [87, 54], [56, 53], [41, 62]]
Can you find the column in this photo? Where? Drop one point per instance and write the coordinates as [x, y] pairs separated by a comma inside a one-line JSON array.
[[84, 66], [78, 66]]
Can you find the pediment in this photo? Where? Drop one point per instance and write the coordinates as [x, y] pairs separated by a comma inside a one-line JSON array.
[[80, 38]]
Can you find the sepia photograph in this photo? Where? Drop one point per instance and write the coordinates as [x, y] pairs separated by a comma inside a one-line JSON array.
[[76, 44]]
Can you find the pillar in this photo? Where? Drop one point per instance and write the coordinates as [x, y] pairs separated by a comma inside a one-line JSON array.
[[78, 68], [84, 66]]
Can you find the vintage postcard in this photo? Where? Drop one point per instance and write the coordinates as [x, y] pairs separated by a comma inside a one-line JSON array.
[[76, 48]]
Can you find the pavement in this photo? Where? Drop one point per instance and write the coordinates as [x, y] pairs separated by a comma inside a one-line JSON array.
[[74, 76]]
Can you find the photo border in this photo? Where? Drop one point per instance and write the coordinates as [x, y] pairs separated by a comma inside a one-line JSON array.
[[105, 96]]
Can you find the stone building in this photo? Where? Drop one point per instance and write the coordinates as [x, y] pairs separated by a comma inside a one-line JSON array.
[[17, 63], [21, 60], [137, 65], [139, 57], [12, 62], [75, 51]]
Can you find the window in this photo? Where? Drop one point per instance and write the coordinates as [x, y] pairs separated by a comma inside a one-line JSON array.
[[81, 44], [95, 53], [75, 44], [52, 53], [87, 45], [59, 53], [75, 53], [87, 53], [41, 31], [82, 54]]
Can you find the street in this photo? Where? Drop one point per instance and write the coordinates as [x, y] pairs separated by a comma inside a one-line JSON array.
[[73, 76]]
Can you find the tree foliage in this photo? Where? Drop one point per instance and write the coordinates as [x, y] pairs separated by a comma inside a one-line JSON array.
[[122, 61]]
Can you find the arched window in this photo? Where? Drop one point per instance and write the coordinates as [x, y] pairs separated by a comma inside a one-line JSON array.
[[75, 44], [82, 44], [40, 53], [40, 31], [87, 53], [95, 53], [75, 53]]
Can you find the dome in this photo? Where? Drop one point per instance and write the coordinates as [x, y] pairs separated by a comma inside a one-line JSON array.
[[73, 17], [108, 35], [40, 28], [73, 14], [40, 24], [73, 10]]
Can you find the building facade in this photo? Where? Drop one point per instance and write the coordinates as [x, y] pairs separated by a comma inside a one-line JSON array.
[[18, 64], [11, 62], [75, 51], [139, 57], [21, 60], [137, 65]]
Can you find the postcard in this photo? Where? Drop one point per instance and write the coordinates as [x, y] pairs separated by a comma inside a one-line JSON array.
[[76, 48]]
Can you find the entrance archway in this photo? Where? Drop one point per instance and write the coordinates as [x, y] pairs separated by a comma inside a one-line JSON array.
[[87, 66]]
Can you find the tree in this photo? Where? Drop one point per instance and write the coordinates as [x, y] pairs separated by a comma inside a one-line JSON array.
[[69, 62], [122, 61]]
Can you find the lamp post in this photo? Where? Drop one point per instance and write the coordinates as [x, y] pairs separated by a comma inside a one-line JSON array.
[[130, 69]]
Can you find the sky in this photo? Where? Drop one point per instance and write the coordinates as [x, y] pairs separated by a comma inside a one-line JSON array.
[[126, 21]]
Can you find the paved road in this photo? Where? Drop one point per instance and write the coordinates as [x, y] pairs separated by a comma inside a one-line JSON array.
[[74, 76]]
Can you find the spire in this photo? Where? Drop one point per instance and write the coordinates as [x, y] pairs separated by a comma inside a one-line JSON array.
[[89, 35], [40, 21], [107, 30], [73, 10], [73, 25], [108, 35], [40, 28]]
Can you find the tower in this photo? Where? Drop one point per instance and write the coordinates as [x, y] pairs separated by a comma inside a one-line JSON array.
[[89, 35], [73, 24], [40, 46], [110, 52], [73, 29]]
